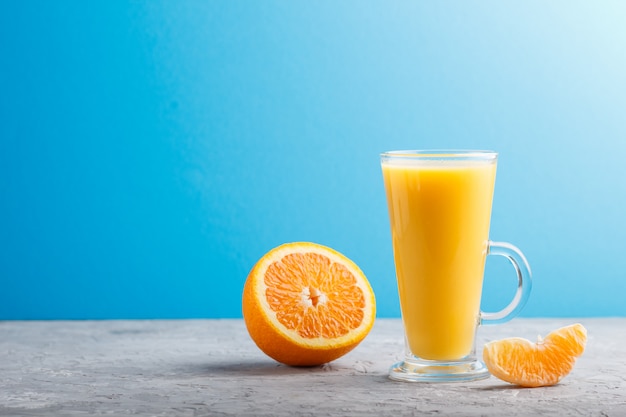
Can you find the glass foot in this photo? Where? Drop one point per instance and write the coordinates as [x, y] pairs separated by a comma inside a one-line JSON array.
[[437, 371]]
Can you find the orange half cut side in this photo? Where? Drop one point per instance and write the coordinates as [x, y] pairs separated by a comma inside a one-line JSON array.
[[307, 304]]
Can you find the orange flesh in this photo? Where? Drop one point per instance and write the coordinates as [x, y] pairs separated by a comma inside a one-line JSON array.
[[314, 296]]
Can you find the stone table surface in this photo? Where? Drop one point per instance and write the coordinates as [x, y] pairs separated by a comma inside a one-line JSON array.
[[212, 368]]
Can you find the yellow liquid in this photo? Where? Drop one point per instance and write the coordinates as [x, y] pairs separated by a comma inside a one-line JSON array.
[[440, 213]]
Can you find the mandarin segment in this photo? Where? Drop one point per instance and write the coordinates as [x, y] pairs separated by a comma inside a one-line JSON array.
[[306, 304], [519, 361]]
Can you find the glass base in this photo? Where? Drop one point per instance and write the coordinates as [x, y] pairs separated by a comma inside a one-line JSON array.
[[419, 370]]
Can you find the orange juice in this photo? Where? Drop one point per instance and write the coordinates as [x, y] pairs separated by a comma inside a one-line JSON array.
[[439, 213]]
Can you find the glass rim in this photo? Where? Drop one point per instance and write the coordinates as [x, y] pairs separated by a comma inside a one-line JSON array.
[[463, 154]]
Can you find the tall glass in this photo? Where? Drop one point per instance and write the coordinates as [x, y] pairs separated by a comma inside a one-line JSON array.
[[439, 209]]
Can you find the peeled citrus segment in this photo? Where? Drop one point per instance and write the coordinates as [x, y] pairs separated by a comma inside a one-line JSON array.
[[306, 304], [544, 363]]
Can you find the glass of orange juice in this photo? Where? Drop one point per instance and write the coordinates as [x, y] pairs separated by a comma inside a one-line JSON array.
[[439, 209]]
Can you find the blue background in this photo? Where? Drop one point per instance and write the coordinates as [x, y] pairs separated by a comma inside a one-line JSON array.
[[151, 152]]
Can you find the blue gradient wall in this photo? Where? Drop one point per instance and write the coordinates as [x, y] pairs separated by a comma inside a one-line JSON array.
[[151, 152]]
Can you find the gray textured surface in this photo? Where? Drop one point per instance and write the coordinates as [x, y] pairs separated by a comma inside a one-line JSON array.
[[211, 367]]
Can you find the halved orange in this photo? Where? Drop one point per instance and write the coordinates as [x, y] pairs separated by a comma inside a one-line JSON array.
[[519, 361], [306, 304]]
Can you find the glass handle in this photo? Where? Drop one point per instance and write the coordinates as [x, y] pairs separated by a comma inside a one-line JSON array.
[[524, 283]]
